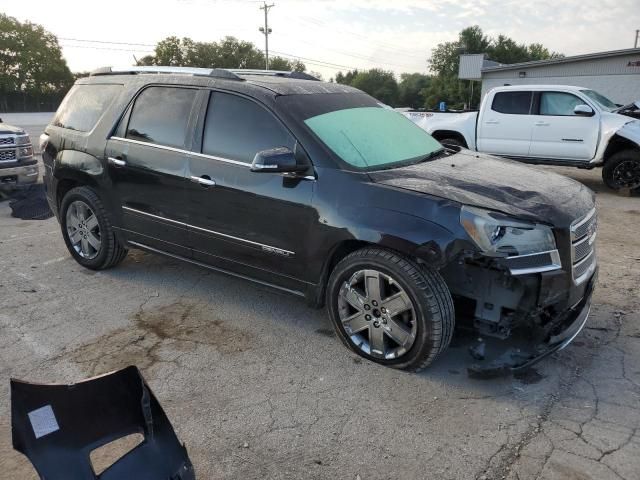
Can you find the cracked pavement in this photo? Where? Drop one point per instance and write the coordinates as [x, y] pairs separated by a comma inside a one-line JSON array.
[[257, 385]]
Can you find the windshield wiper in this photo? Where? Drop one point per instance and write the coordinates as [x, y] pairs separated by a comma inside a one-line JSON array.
[[433, 155]]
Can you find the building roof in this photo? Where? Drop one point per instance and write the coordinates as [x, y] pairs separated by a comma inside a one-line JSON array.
[[574, 58]]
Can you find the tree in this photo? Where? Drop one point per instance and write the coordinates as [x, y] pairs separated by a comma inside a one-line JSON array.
[[378, 83], [227, 53], [411, 89], [445, 59], [346, 78], [33, 74]]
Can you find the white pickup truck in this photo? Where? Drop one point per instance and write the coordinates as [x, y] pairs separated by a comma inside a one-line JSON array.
[[546, 124]]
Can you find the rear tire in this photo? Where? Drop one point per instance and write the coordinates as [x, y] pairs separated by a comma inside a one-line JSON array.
[[87, 230], [417, 324], [622, 170]]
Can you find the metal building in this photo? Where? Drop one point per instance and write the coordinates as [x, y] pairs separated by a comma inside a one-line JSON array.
[[615, 74]]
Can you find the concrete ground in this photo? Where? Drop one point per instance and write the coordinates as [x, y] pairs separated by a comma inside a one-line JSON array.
[[257, 385]]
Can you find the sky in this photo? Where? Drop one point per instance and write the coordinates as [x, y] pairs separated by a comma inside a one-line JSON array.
[[328, 35]]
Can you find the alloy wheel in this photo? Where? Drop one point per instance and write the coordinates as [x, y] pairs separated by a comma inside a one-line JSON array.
[[377, 314], [83, 230], [627, 174]]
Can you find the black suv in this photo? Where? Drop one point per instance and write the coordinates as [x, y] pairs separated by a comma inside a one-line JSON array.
[[322, 191]]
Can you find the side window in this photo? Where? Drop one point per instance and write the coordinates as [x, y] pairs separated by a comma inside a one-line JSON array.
[[558, 103], [161, 115], [84, 105], [515, 103], [237, 128]]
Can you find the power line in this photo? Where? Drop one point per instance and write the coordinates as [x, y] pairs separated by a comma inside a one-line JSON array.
[[313, 61], [107, 48], [359, 57], [109, 43]]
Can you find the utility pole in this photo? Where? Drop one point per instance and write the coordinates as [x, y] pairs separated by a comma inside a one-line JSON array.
[[266, 30], [635, 45]]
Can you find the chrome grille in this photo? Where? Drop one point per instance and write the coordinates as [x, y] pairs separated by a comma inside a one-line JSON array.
[[583, 248], [7, 155], [7, 141]]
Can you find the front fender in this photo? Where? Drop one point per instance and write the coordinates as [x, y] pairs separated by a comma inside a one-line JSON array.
[[414, 236]]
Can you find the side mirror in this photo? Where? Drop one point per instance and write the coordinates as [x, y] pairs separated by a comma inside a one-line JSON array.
[[280, 159], [583, 111]]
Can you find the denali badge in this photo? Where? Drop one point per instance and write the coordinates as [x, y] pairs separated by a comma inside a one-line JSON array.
[[275, 250]]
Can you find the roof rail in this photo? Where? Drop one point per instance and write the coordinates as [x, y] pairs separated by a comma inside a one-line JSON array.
[[204, 72], [274, 73], [228, 73]]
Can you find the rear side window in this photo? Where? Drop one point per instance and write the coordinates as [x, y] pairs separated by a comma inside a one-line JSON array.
[[515, 103], [161, 115], [237, 128], [558, 103], [84, 105]]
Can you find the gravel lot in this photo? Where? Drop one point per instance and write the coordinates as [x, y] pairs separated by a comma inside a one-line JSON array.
[[257, 385]]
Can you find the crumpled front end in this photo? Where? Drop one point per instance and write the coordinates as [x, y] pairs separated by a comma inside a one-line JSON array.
[[523, 308]]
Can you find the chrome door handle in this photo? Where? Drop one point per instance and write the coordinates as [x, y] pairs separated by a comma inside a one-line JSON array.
[[492, 122], [117, 162], [542, 124], [207, 182]]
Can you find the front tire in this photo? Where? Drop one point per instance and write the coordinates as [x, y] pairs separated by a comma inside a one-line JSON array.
[[389, 309], [622, 170], [87, 230]]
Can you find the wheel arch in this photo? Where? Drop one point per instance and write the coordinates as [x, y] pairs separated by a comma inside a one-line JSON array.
[[442, 134], [73, 168], [618, 143], [422, 241]]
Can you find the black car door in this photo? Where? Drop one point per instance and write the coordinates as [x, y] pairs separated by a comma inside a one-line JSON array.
[[252, 223], [147, 161]]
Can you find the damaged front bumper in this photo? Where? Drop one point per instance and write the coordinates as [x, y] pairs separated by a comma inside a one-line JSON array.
[[522, 354]]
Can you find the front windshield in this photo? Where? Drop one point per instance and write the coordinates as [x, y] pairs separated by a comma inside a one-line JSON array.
[[603, 102], [372, 137]]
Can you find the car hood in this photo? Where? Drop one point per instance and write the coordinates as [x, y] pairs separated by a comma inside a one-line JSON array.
[[9, 129], [484, 181]]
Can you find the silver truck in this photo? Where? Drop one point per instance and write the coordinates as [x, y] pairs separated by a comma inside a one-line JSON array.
[[18, 166]]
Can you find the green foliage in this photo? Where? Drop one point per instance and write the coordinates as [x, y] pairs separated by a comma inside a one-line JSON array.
[[411, 89], [381, 84], [227, 53], [445, 59], [33, 74], [378, 83]]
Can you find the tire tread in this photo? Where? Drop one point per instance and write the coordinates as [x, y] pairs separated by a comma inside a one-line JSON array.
[[436, 296]]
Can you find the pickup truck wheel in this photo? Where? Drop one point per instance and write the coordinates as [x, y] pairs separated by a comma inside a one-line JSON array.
[[622, 170], [87, 231], [389, 309]]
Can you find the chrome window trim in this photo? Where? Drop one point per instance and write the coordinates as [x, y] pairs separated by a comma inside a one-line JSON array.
[[555, 264], [182, 150], [265, 247], [196, 154]]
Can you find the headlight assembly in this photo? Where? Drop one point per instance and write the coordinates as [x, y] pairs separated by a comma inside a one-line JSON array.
[[499, 236], [23, 140]]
